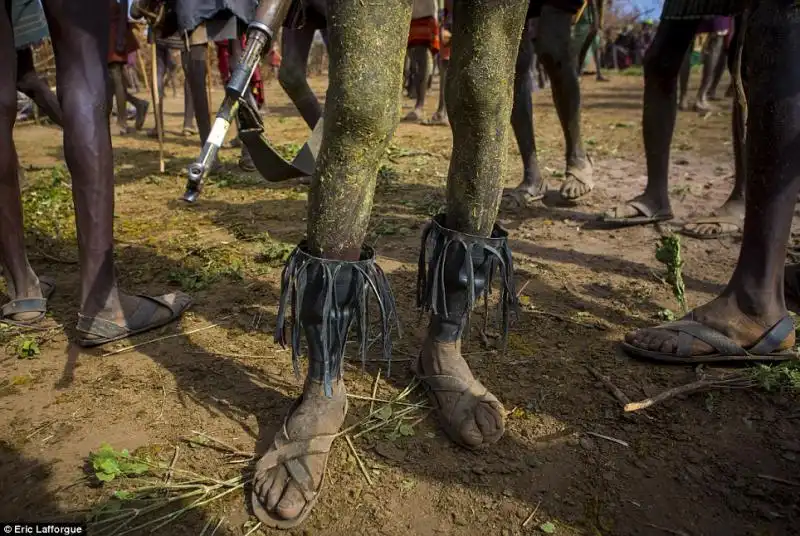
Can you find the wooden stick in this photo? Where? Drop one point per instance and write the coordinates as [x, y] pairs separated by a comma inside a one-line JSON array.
[[618, 394], [374, 391], [609, 438], [779, 480], [157, 339], [693, 387], [358, 459], [530, 517], [156, 102]]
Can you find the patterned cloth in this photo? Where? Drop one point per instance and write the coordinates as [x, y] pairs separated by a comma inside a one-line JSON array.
[[700, 9], [424, 32], [28, 21], [193, 12]]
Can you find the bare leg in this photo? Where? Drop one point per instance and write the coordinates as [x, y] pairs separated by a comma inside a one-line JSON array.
[[553, 48], [29, 83], [188, 102], [197, 86], [21, 280], [440, 116], [422, 62], [728, 218], [719, 70], [361, 115], [662, 64], [753, 301], [79, 31], [292, 75], [685, 73], [712, 57], [532, 185]]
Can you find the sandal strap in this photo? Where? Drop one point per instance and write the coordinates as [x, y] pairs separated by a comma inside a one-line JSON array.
[[691, 330], [24, 305], [775, 337]]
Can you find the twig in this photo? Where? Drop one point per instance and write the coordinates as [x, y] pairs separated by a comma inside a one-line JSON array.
[[616, 391], [608, 438], [219, 524], [255, 528], [779, 480], [374, 391], [168, 477], [157, 339], [220, 354], [385, 401], [530, 517], [58, 260], [229, 448], [522, 288], [567, 319], [670, 531], [693, 387], [358, 459]]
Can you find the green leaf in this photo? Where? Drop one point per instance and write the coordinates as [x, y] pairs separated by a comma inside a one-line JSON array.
[[406, 430], [547, 528], [105, 477], [385, 413], [123, 495]]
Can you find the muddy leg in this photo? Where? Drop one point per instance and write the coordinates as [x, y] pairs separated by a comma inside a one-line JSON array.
[[21, 281], [728, 218], [361, 115], [662, 64], [753, 301], [422, 63], [460, 248], [29, 83], [188, 101], [712, 56], [522, 121], [118, 88], [553, 48], [293, 76], [79, 31], [440, 116]]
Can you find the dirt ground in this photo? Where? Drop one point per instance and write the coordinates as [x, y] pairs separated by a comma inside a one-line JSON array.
[[704, 464]]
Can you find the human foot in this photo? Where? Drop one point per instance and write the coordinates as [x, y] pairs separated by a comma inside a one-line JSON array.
[[414, 116], [141, 114], [717, 331], [121, 130], [27, 305], [725, 221], [528, 191], [470, 415], [439, 118], [683, 105], [289, 477], [129, 315], [640, 210], [702, 106], [579, 180]]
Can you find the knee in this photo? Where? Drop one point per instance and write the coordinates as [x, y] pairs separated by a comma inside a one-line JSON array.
[[291, 78], [661, 69]]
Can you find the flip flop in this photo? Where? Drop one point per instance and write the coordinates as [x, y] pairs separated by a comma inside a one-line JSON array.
[[730, 220], [471, 394], [584, 176], [520, 198], [647, 216], [286, 451], [766, 349], [29, 305], [98, 331]]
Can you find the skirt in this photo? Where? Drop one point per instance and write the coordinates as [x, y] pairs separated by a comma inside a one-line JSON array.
[[29, 22], [700, 9], [424, 32]]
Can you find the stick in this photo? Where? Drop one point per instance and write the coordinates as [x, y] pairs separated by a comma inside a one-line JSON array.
[[608, 438], [358, 459], [230, 448], [567, 319], [693, 387], [522, 288], [669, 531], [374, 391], [779, 480], [618, 394], [530, 517], [171, 466], [251, 531], [156, 95], [157, 339]]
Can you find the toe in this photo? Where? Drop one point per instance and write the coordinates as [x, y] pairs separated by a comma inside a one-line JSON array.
[[485, 426], [292, 502], [275, 492]]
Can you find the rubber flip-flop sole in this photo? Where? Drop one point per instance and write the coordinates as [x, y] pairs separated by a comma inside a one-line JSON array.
[[714, 236], [284, 524], [93, 343], [637, 220], [662, 357]]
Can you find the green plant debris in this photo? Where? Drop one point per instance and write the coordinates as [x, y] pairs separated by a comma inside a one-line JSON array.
[[273, 252], [28, 348], [47, 206], [776, 378], [202, 267], [665, 315], [109, 464], [287, 150], [668, 252], [547, 528]]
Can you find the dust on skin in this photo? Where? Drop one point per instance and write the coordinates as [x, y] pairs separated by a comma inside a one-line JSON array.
[[479, 109], [343, 186]]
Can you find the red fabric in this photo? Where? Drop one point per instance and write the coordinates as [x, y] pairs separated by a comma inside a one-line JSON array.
[[224, 61], [131, 44], [424, 32]]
